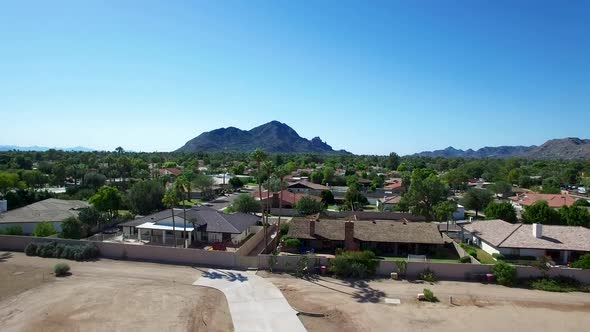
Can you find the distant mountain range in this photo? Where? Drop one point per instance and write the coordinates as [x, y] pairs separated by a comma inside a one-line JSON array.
[[272, 137], [42, 148], [563, 148]]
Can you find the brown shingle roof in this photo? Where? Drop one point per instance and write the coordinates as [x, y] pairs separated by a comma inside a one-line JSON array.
[[309, 184], [367, 231], [502, 234]]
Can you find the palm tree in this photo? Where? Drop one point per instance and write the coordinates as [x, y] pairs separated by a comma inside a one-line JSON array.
[[170, 200], [280, 173], [181, 184], [259, 156], [269, 167]]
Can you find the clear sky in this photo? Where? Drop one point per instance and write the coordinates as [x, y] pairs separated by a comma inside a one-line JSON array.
[[366, 76]]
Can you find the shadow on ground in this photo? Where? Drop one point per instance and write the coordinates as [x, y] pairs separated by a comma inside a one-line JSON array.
[[230, 276], [360, 290], [5, 256]]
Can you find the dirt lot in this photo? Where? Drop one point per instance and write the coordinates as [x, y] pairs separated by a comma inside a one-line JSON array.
[[360, 306], [106, 296]]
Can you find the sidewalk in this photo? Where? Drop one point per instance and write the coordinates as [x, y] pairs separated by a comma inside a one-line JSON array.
[[255, 304]]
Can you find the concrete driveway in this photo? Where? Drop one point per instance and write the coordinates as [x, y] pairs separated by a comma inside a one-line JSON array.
[[255, 304]]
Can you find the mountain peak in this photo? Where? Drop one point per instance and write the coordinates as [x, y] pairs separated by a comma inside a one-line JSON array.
[[273, 137]]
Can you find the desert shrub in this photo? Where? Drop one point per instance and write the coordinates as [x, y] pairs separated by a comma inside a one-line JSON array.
[[79, 252], [348, 264], [465, 259], [284, 229], [292, 243], [558, 284], [13, 230], [498, 256], [44, 229], [429, 295], [428, 275], [402, 267], [31, 249], [61, 269], [582, 263], [302, 267], [504, 273]]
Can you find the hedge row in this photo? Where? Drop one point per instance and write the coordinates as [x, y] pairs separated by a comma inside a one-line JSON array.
[[78, 252]]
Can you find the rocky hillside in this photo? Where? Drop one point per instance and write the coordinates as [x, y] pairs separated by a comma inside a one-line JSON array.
[[273, 137], [564, 148]]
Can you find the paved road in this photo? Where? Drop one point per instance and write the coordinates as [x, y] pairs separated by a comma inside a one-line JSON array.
[[255, 303], [222, 202]]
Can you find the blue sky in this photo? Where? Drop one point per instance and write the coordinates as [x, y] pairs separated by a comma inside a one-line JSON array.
[[366, 76]]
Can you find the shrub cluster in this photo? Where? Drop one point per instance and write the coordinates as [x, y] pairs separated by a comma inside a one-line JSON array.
[[429, 295], [465, 259], [505, 274], [498, 256], [558, 284], [428, 275], [582, 263], [292, 243], [354, 264], [61, 269], [76, 252]]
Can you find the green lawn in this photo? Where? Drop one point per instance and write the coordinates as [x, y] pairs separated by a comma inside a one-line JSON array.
[[432, 260], [484, 258], [191, 202]]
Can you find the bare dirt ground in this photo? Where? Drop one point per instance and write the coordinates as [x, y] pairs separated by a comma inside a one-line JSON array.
[[106, 296], [360, 306]]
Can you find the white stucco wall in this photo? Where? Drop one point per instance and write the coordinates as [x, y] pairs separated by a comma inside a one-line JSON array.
[[488, 247]]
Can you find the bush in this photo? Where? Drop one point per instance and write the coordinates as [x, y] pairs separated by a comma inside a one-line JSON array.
[[292, 243], [472, 252], [79, 252], [429, 295], [559, 284], [31, 249], [582, 263], [61, 269], [44, 229], [504, 273], [498, 256], [13, 230], [354, 264], [428, 275], [284, 229], [465, 259]]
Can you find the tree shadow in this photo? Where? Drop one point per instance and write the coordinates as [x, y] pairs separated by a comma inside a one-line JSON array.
[[5, 256], [229, 276], [362, 292]]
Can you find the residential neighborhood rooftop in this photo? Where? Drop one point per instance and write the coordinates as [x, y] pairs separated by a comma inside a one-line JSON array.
[[554, 200], [51, 209]]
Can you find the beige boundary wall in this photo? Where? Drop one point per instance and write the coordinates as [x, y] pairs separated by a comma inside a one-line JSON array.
[[223, 259], [252, 242]]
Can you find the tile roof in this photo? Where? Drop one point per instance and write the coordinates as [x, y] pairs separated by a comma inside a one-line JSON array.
[[50, 209], [554, 200], [171, 170], [502, 234], [391, 199], [288, 197], [309, 184], [367, 231], [372, 215]]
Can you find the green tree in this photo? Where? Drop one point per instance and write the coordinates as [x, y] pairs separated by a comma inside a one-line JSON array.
[[393, 161], [34, 178], [502, 188], [107, 199], [504, 211], [574, 216], [477, 199], [316, 176], [308, 205], [327, 197], [170, 200], [456, 179], [44, 229], [354, 199], [541, 213], [94, 180], [280, 173], [145, 197], [8, 181], [245, 203], [235, 182], [444, 211], [71, 228], [205, 184], [425, 192], [581, 202]]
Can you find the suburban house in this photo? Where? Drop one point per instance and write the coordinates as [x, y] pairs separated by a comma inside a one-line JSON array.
[[203, 224], [173, 171], [394, 185], [370, 215], [289, 198], [386, 237], [51, 209], [307, 187], [388, 203], [554, 200], [562, 243]]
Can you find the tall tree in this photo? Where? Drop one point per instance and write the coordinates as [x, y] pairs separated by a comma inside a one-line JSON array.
[[425, 192], [477, 199], [107, 199], [541, 213], [269, 168], [504, 211], [259, 156], [280, 173], [170, 200]]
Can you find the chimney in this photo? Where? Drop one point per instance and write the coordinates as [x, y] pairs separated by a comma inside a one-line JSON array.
[[349, 243], [538, 231], [312, 227], [3, 206]]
